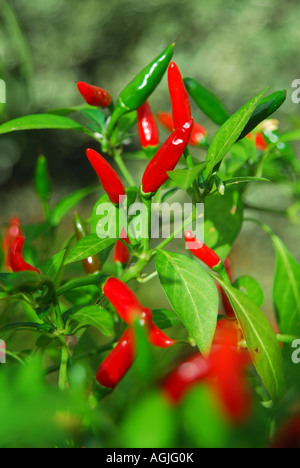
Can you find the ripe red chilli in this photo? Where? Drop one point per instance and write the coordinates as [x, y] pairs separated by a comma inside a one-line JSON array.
[[14, 230], [147, 127], [158, 338], [198, 133], [123, 299], [202, 251], [109, 178], [121, 252], [129, 308], [17, 261], [118, 362], [189, 372], [93, 95], [181, 107], [166, 158], [259, 140], [229, 381]]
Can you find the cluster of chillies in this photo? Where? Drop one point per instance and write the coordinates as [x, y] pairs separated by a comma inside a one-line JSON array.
[[224, 369]]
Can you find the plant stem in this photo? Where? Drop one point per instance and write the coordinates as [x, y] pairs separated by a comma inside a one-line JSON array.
[[62, 380], [77, 283], [188, 158], [120, 163], [191, 219], [82, 356], [146, 224], [287, 338]]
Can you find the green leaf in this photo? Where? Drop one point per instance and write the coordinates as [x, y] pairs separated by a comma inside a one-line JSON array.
[[251, 287], [207, 101], [207, 426], [40, 122], [192, 294], [165, 318], [150, 423], [127, 121], [95, 115], [266, 107], [135, 155], [223, 218], [51, 267], [144, 362], [184, 178], [26, 281], [68, 203], [87, 247], [286, 289], [229, 133], [33, 231], [64, 111], [34, 327], [261, 340], [96, 317]]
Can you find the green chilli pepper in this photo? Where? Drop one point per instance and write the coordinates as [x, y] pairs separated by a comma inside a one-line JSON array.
[[139, 89], [41, 179], [207, 101], [267, 107]]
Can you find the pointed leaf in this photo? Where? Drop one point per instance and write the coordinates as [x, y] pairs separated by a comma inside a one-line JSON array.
[[192, 295], [96, 317], [87, 247], [261, 340], [223, 218], [286, 290], [184, 178], [42, 121], [229, 133]]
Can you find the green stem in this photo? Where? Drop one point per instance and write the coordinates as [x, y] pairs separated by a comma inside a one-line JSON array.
[[188, 158], [120, 163], [78, 282], [287, 338], [146, 224], [191, 219], [46, 209], [63, 370]]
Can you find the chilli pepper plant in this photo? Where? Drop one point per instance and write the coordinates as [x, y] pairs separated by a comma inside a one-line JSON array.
[[222, 361]]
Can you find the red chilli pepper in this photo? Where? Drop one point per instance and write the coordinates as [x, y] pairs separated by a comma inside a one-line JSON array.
[[121, 252], [181, 107], [123, 299], [202, 251], [166, 158], [198, 133], [14, 230], [158, 338], [260, 141], [147, 127], [129, 308], [191, 371], [224, 371], [16, 256], [118, 362], [229, 381], [109, 178], [93, 95]]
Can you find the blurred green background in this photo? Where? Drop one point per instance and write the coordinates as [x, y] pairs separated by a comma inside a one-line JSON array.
[[236, 48]]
